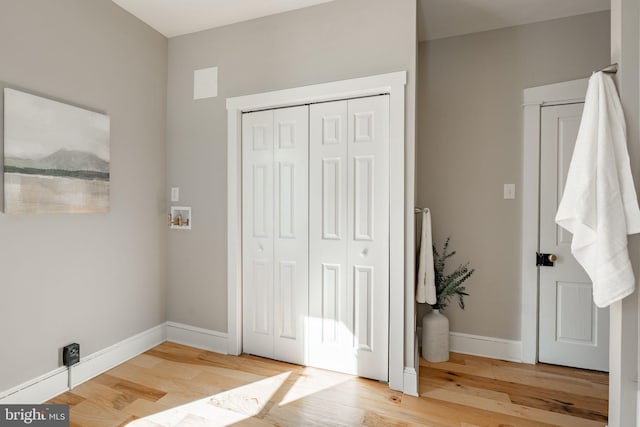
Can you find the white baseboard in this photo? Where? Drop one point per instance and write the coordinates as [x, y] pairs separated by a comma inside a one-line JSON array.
[[37, 390], [193, 336], [477, 345], [410, 382], [414, 386], [56, 382], [95, 364]]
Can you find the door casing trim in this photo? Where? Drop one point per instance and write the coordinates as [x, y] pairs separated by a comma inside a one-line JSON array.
[[392, 84]]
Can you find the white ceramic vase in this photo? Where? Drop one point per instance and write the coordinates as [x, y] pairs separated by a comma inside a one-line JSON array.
[[435, 337]]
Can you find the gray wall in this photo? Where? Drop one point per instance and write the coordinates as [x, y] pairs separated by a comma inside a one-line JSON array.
[[333, 41], [470, 144], [95, 279]]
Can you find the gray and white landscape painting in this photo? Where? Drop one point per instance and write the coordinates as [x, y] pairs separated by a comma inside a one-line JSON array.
[[56, 156]]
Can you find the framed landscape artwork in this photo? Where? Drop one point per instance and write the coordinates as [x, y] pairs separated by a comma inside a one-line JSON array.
[[56, 156]]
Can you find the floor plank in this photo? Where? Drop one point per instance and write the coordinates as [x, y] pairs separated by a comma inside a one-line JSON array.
[[175, 385], [526, 395]]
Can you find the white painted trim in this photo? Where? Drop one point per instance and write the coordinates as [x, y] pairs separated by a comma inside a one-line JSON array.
[[416, 363], [57, 381], [493, 348], [394, 85], [37, 390], [234, 231], [478, 345], [193, 336], [397, 314], [343, 89], [556, 93], [534, 99], [103, 360], [530, 234], [411, 380]]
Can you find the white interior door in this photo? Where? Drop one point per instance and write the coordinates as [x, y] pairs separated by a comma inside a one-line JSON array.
[[349, 236], [291, 235], [330, 321], [275, 232], [257, 233], [572, 330]]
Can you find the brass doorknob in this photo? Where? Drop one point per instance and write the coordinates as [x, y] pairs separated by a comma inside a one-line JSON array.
[[553, 257]]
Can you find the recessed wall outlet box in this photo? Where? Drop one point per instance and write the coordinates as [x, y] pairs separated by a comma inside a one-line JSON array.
[[71, 354], [180, 218]]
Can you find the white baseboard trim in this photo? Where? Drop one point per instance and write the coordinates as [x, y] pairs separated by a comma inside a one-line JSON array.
[[103, 360], [410, 382], [205, 339], [493, 348], [56, 382], [37, 390]]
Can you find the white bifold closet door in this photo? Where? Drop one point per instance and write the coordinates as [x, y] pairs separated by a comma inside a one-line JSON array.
[[275, 231], [315, 228], [349, 236]]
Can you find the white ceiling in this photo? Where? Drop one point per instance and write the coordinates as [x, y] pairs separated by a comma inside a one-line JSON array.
[[437, 18], [445, 18], [177, 17]]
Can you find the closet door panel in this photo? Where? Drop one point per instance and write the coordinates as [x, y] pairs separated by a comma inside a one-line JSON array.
[[368, 232], [349, 236], [331, 330], [257, 233], [291, 151]]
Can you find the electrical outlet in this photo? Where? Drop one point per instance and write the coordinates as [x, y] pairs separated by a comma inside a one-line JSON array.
[[71, 354], [175, 194]]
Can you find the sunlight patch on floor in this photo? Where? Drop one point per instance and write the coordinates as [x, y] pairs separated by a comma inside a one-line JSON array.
[[312, 381], [241, 403], [222, 409]]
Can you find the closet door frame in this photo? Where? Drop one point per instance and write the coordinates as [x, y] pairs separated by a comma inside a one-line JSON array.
[[392, 84]]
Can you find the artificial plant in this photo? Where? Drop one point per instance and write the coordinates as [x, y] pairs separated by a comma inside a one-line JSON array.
[[449, 285]]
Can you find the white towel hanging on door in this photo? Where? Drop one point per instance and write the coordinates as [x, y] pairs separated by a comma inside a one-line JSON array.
[[426, 287], [599, 204]]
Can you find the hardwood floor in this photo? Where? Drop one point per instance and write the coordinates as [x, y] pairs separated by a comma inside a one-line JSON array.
[[175, 385]]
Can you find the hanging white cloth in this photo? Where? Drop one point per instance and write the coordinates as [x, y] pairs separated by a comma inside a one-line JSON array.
[[599, 204], [426, 288]]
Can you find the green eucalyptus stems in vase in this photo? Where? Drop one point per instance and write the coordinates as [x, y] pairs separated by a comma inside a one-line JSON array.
[[449, 285]]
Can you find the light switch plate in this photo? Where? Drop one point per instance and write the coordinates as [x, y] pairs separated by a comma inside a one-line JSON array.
[[509, 191], [175, 194]]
